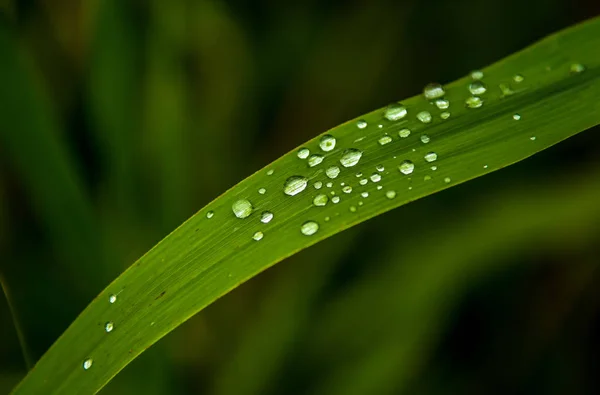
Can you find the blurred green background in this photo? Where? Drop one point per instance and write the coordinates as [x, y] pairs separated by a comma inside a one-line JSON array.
[[120, 119]]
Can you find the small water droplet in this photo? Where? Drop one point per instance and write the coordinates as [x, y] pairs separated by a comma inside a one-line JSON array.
[[434, 167], [427, 178], [375, 177], [532, 138], [350, 157], [406, 167], [474, 102], [390, 194], [347, 189], [109, 326], [445, 115], [476, 75], [358, 175], [477, 88], [210, 214], [379, 187], [270, 172], [404, 133], [294, 185], [442, 104], [88, 363], [431, 157], [315, 160], [379, 168], [320, 200], [329, 184], [352, 209], [394, 112], [424, 116], [262, 191], [361, 124], [485, 166], [332, 193], [112, 299], [242, 208], [327, 219], [433, 91], [332, 172], [447, 180], [303, 153], [335, 199], [425, 139], [364, 181], [327, 143], [266, 217], [506, 90], [309, 228], [384, 140], [577, 68], [364, 194], [360, 203], [380, 126], [318, 185], [258, 236], [516, 117], [518, 78]]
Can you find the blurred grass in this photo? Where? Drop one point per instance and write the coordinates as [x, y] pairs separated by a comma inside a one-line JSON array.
[[262, 60]]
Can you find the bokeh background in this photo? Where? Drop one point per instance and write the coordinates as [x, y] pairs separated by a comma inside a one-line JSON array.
[[122, 118]]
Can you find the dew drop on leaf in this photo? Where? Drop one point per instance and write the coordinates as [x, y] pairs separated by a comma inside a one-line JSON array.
[[320, 200], [442, 104], [88, 363], [258, 236], [315, 160], [445, 115], [262, 191], [390, 194], [473, 102], [266, 217], [424, 116], [352, 209], [431, 157], [375, 177], [364, 194], [518, 78], [327, 143], [406, 167], [294, 185], [210, 214], [242, 208], [350, 157], [433, 91], [395, 112], [477, 88], [109, 326], [332, 172], [379, 168], [309, 228], [476, 75], [577, 68], [383, 140], [335, 199], [447, 180], [516, 117], [364, 181], [425, 139], [303, 153], [318, 185], [404, 133], [361, 124], [347, 189], [112, 299]]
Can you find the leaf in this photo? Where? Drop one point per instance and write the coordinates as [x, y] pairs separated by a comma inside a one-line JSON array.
[[205, 258]]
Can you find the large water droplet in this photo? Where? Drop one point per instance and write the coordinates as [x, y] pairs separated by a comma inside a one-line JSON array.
[[109, 326], [442, 104], [266, 217], [242, 208], [431, 157], [303, 153], [112, 298], [385, 140], [315, 160], [294, 185], [350, 157], [406, 167], [390, 194], [425, 139], [88, 363], [477, 88], [309, 228], [361, 124], [375, 177], [327, 143], [347, 189], [258, 236], [424, 116], [210, 214], [404, 133], [332, 172], [473, 102], [433, 91], [320, 200], [395, 111]]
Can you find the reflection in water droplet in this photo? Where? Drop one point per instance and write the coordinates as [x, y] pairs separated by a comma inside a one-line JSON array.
[[424, 116], [210, 214], [109, 326], [361, 124], [352, 209], [474, 102], [430, 157], [433, 91], [577, 68], [390, 194], [309, 228], [258, 236], [364, 194], [445, 115], [327, 143], [364, 181], [294, 185], [476, 75], [477, 88], [112, 299], [379, 168], [518, 78], [406, 167], [262, 191], [315, 160], [425, 139], [447, 180], [375, 177], [332, 172], [516, 117], [303, 153], [350, 157], [320, 200], [242, 208], [335, 199], [442, 104], [394, 112], [404, 133], [347, 189], [318, 185], [384, 140], [88, 363], [266, 217]]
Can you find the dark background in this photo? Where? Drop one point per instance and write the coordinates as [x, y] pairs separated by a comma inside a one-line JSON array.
[[144, 111]]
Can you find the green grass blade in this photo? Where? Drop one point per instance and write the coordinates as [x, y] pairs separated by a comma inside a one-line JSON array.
[[205, 258], [18, 329]]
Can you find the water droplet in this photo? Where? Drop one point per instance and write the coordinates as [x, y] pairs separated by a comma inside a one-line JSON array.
[[516, 117], [425, 139], [112, 299], [327, 219], [477, 88], [210, 214], [385, 140], [329, 184], [303, 153], [474, 102], [394, 112], [335, 199], [109, 326], [309, 228], [320, 200], [406, 167], [518, 78], [476, 75], [88, 363], [350, 157], [242, 208], [318, 185], [358, 175], [364, 181], [332, 172], [379, 168], [294, 185], [361, 124], [379, 187], [404, 133], [347, 189], [364, 194], [447, 180], [352, 209], [485, 166], [445, 115], [266, 217], [342, 183], [506, 90], [270, 172], [375, 177], [442, 104], [577, 68], [427, 178], [433, 91], [431, 157], [434, 168], [262, 191], [390, 194], [315, 160], [532, 138], [380, 126], [258, 236], [327, 143], [360, 203], [424, 116], [332, 193]]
